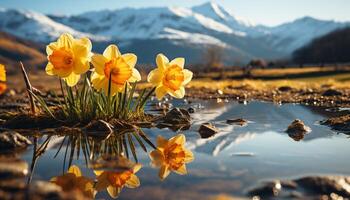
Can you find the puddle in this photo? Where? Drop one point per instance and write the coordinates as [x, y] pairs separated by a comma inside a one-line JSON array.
[[232, 161]]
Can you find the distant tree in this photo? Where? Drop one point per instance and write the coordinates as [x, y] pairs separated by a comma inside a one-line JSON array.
[[258, 63], [213, 58], [331, 48]]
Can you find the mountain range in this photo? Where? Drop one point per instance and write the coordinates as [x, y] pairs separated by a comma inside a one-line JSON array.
[[175, 31]]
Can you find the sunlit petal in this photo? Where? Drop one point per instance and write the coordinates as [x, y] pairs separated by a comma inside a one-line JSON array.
[[111, 52], [178, 139], [178, 93], [113, 191], [160, 92], [161, 141], [181, 170], [99, 62], [74, 170], [65, 40], [188, 76], [136, 76], [164, 172], [162, 61], [130, 59], [72, 79], [133, 182], [155, 77], [178, 61], [189, 157]]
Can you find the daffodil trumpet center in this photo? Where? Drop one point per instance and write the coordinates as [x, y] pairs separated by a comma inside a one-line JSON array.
[[118, 179], [174, 156], [173, 77], [118, 71], [62, 59]]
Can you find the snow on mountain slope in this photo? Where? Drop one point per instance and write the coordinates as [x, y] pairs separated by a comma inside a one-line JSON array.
[[219, 14], [291, 36], [144, 23], [35, 26]]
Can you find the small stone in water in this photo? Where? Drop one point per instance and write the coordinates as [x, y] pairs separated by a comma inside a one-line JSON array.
[[297, 127], [177, 116], [332, 92], [191, 110], [11, 140], [207, 130], [238, 121]]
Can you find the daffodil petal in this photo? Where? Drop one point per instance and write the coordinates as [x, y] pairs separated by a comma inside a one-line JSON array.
[[65, 40], [180, 93], [187, 76], [189, 157], [81, 66], [130, 59], [3, 88], [72, 79], [111, 51], [74, 170], [161, 141], [161, 61], [155, 77], [160, 92], [164, 172], [98, 172], [99, 62], [133, 182], [98, 81], [63, 73], [157, 158], [49, 69], [181, 170], [51, 47], [178, 139], [137, 167], [2, 73], [178, 61], [135, 76], [113, 191]]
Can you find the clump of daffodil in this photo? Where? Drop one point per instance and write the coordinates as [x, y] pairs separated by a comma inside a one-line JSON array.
[[74, 181], [169, 77], [3, 86], [68, 58], [171, 155], [115, 181], [114, 67]]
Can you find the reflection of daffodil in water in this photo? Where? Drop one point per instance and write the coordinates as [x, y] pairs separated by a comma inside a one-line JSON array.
[[171, 155], [2, 79], [115, 181], [169, 77], [74, 181]]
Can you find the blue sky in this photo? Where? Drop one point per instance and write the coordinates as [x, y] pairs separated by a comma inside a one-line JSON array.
[[268, 12]]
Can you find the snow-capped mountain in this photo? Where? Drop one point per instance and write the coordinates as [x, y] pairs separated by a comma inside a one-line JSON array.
[[35, 26], [176, 30], [293, 35]]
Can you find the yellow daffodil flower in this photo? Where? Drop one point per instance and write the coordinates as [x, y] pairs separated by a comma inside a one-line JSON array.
[[74, 181], [169, 77], [3, 86], [171, 155], [112, 64], [115, 181], [68, 58]]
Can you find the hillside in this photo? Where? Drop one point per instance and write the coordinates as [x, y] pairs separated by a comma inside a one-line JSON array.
[[331, 48], [14, 49]]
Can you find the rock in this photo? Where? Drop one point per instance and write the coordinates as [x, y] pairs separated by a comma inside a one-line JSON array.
[[12, 167], [341, 123], [310, 187], [98, 128], [332, 92], [10, 140], [177, 116], [207, 130], [269, 189], [191, 110], [238, 121], [297, 130], [285, 88], [326, 185]]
